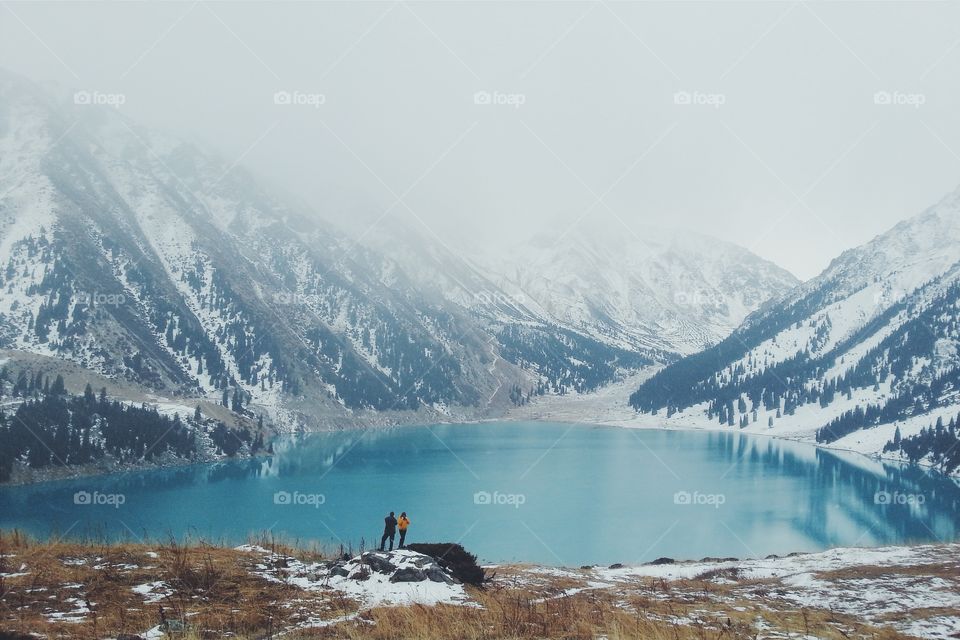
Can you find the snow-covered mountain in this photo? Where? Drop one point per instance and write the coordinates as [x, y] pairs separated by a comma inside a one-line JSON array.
[[142, 258], [139, 257], [584, 303], [646, 289], [869, 346], [664, 292]]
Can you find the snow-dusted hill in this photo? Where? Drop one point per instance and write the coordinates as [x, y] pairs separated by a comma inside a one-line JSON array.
[[870, 345]]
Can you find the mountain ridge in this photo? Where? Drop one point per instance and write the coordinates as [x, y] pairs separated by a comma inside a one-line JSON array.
[[142, 258], [867, 347]]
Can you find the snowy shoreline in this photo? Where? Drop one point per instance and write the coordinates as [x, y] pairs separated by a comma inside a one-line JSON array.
[[609, 407], [606, 407], [880, 457]]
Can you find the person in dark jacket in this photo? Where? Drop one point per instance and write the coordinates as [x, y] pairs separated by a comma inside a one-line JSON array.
[[389, 531]]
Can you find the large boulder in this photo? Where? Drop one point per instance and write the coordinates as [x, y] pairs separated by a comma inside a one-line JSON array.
[[399, 565], [436, 574]]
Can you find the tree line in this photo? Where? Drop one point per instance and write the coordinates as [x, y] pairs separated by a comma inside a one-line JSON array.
[[51, 427], [938, 443]]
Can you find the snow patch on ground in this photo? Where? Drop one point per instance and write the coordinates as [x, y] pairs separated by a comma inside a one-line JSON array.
[[359, 581], [153, 592], [860, 582]]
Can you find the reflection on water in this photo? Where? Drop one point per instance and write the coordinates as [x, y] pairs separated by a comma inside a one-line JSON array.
[[847, 494], [590, 494]]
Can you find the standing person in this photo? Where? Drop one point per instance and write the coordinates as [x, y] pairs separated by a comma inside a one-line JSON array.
[[402, 524], [389, 530]]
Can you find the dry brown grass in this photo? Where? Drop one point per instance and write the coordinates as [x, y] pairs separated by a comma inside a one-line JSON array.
[[948, 568], [594, 614], [213, 591], [213, 594]]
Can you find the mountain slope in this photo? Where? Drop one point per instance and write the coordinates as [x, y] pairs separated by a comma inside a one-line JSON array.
[[873, 340], [139, 257], [143, 259], [559, 357], [590, 296]]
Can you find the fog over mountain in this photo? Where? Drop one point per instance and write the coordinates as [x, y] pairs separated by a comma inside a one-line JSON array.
[[136, 256], [623, 115]]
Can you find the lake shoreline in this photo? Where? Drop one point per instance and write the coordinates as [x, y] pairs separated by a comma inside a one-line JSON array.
[[228, 500], [24, 476], [774, 436], [27, 477], [609, 406]]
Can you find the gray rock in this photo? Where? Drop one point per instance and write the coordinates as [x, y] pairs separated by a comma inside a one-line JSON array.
[[436, 574], [408, 574], [378, 562]]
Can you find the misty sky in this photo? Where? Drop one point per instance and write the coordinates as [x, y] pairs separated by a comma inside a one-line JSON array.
[[783, 147]]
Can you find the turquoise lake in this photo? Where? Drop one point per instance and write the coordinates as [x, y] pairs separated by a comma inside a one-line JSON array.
[[535, 492]]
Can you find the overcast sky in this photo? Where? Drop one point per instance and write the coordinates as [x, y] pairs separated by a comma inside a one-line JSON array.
[[784, 146]]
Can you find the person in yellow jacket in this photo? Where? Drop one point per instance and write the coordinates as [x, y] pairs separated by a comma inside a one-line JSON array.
[[402, 525]]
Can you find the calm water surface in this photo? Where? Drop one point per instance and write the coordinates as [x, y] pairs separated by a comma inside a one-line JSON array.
[[535, 492]]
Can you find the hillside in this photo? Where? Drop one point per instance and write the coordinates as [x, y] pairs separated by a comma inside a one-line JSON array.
[[47, 432], [143, 259], [870, 346], [148, 590]]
